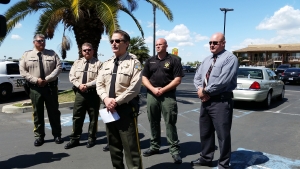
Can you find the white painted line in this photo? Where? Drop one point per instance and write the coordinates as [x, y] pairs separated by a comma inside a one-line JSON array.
[[141, 126], [243, 158], [189, 119], [186, 133], [277, 112], [292, 91], [194, 110]]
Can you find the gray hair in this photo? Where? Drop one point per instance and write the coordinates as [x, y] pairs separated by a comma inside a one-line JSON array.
[[38, 35], [87, 44]]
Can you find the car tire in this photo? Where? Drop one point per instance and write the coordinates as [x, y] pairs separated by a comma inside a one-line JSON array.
[[268, 100], [281, 96], [5, 91]]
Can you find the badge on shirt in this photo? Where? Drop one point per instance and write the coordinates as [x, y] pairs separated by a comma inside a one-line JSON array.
[[167, 65], [138, 66]]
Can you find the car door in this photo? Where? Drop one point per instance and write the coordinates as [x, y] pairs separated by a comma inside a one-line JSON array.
[[272, 82], [14, 77]]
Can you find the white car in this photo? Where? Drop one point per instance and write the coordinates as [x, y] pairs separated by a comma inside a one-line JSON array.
[[66, 66], [10, 79], [258, 84]]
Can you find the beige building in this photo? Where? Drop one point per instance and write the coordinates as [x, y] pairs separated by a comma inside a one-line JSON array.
[[269, 55]]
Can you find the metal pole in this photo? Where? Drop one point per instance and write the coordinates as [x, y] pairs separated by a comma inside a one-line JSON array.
[[154, 24], [224, 22]]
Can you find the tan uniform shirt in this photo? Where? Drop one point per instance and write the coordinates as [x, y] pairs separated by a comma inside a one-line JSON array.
[[128, 79], [77, 70], [30, 66]]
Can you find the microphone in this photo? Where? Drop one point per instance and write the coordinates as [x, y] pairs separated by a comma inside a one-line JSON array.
[[4, 1]]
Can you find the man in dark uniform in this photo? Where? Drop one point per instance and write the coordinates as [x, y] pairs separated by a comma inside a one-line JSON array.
[[41, 67], [214, 80], [83, 75], [118, 84], [161, 75]]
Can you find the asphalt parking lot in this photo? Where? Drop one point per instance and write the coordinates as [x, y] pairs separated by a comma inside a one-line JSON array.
[[261, 138]]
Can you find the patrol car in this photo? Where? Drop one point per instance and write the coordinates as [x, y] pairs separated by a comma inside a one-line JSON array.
[[10, 79]]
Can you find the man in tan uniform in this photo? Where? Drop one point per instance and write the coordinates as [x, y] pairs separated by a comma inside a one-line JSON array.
[[83, 75], [41, 67], [118, 84]]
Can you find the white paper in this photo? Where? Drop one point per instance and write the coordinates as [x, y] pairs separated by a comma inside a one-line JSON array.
[[108, 117]]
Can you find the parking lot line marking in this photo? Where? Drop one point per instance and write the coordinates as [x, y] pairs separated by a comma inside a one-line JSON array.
[[186, 133], [250, 159], [141, 126], [194, 110], [292, 91], [189, 119], [277, 112]]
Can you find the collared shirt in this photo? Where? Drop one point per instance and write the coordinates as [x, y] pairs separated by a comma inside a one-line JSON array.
[[161, 72], [128, 79], [223, 77], [77, 71], [30, 67]]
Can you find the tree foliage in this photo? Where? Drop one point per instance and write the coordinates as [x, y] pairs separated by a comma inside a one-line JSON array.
[[139, 48]]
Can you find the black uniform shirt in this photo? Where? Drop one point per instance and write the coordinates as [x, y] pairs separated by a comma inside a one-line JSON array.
[[161, 72]]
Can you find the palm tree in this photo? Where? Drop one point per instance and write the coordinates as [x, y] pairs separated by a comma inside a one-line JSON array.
[[89, 19], [162, 6], [137, 47]]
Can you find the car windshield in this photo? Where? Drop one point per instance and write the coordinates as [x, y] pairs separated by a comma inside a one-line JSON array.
[[12, 69], [283, 66], [250, 73], [292, 70], [67, 64]]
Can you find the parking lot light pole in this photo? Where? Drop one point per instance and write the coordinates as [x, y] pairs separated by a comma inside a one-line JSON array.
[[225, 11]]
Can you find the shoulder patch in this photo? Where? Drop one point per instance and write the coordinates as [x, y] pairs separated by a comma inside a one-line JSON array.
[[138, 66]]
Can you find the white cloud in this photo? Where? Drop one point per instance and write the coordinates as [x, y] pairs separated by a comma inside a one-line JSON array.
[[150, 25], [18, 25], [275, 40], [199, 37], [185, 44], [206, 47], [180, 33], [149, 39], [285, 18], [162, 33], [16, 37]]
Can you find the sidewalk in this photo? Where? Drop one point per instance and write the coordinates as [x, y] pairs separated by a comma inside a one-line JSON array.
[[14, 109]]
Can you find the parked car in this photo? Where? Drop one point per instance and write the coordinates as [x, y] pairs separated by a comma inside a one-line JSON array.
[[10, 79], [66, 66], [291, 75], [188, 69], [281, 68], [258, 84]]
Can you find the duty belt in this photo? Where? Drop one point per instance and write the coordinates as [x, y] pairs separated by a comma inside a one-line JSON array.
[[50, 84], [222, 96]]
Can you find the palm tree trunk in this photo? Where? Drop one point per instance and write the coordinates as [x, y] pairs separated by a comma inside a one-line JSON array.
[[154, 25]]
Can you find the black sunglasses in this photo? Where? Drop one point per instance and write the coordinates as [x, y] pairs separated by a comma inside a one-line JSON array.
[[40, 41], [87, 50], [116, 40], [214, 42]]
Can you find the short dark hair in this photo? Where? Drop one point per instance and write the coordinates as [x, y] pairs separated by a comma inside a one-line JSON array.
[[87, 44], [124, 34]]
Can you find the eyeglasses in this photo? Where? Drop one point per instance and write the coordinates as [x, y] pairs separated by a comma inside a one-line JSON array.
[[214, 42], [116, 40], [87, 50], [40, 41]]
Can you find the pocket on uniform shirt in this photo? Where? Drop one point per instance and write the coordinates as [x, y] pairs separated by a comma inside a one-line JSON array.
[[124, 76], [32, 63], [216, 71]]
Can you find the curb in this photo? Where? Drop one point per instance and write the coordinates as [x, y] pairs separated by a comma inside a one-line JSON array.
[[25, 109]]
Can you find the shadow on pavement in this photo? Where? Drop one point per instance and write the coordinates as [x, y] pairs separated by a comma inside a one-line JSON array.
[[169, 165], [243, 159], [257, 106], [27, 161]]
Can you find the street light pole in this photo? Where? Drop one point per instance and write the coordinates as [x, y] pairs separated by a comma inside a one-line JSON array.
[[225, 11], [154, 24]]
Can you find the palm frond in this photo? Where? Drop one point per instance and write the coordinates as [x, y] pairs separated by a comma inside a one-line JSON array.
[[163, 7], [122, 8]]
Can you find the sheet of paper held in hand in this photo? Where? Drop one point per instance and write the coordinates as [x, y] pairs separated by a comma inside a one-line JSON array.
[[108, 117]]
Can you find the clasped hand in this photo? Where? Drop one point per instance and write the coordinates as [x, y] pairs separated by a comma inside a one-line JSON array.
[[41, 82], [203, 97], [158, 91], [110, 104], [83, 87]]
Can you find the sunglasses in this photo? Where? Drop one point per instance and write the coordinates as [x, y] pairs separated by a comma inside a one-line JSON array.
[[87, 50], [116, 40], [214, 42], [40, 41]]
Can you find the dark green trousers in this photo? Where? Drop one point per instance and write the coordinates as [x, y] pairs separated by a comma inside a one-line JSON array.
[[85, 102], [48, 96], [123, 135], [167, 106]]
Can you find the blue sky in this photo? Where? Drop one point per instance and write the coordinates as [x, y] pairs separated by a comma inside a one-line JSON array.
[[251, 22]]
